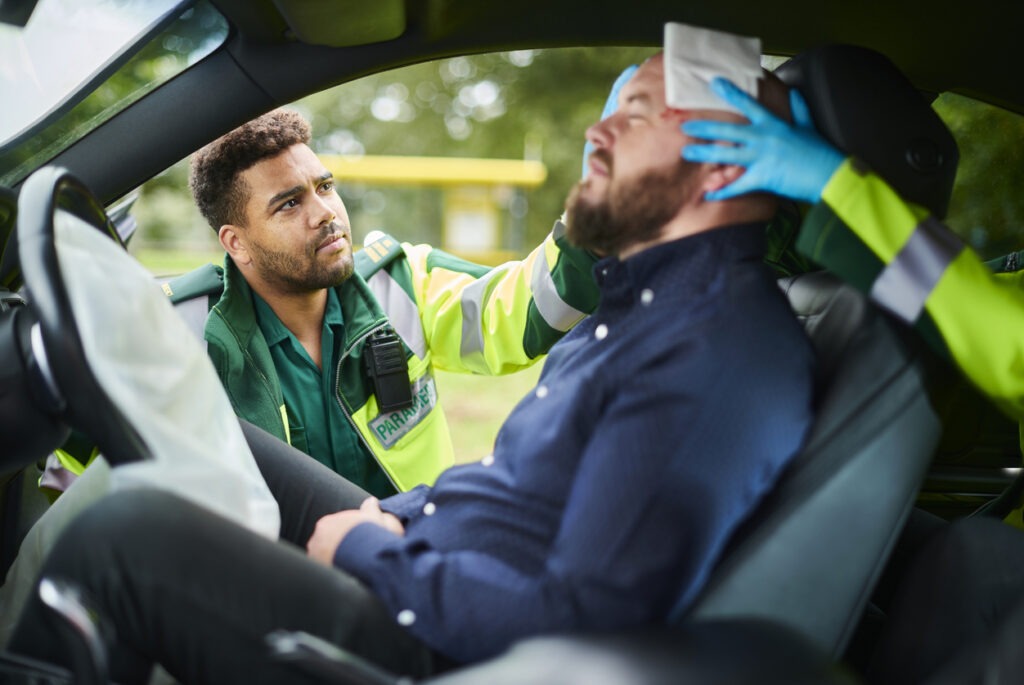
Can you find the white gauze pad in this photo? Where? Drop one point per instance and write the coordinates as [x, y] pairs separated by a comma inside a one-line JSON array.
[[694, 56]]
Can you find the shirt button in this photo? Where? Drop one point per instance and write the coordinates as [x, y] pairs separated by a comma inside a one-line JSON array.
[[429, 508], [646, 296], [488, 460], [542, 391], [406, 617], [601, 332]]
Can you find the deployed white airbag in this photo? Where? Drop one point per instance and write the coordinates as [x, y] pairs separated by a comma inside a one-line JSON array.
[[156, 372]]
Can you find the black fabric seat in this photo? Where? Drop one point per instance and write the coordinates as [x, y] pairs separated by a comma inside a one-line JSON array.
[[809, 556]]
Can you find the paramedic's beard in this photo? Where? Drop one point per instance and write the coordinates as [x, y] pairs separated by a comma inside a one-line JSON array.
[[309, 271], [633, 211]]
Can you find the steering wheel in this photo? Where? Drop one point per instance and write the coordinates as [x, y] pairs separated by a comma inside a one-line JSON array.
[[59, 372], [110, 357]]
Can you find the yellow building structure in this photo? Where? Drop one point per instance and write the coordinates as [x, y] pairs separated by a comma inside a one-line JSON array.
[[474, 193]]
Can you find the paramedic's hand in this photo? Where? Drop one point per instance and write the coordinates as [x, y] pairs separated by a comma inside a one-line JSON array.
[[611, 105], [791, 160], [331, 529]]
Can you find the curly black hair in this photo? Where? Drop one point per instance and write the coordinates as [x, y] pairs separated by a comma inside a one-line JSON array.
[[216, 169]]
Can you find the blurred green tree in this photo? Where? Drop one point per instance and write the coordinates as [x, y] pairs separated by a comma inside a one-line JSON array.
[[524, 104], [537, 104], [987, 208]]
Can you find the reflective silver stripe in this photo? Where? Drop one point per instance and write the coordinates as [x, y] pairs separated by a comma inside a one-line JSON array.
[[471, 348], [401, 310], [194, 313], [904, 285], [555, 312], [558, 230]]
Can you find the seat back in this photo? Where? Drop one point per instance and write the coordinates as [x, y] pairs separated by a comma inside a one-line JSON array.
[[812, 551]]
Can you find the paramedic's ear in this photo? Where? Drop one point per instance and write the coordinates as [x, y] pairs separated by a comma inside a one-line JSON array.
[[230, 237]]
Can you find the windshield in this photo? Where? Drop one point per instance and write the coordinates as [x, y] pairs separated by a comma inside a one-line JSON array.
[[65, 43], [78, 63]]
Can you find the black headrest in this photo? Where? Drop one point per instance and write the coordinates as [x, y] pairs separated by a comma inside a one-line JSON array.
[[865, 106]]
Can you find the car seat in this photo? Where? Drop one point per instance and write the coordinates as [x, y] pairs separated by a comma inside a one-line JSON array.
[[812, 552], [809, 556]]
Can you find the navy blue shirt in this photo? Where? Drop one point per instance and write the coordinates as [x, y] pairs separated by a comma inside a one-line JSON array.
[[656, 425]]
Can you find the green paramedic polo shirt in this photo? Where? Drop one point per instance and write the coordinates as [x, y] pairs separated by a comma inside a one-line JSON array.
[[316, 422]]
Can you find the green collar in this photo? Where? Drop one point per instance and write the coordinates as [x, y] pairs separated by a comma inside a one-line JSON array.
[[359, 309], [275, 332]]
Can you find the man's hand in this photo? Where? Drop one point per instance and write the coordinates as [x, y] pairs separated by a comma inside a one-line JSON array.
[[788, 160], [331, 529]]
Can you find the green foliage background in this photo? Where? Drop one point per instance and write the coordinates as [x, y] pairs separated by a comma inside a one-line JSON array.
[[537, 105], [532, 104], [987, 208], [542, 104]]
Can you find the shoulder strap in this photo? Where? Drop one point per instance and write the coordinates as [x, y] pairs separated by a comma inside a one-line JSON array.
[[194, 293], [207, 280], [379, 250], [1009, 263]]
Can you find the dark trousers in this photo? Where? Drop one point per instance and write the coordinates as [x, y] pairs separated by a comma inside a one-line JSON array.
[[198, 594], [964, 583]]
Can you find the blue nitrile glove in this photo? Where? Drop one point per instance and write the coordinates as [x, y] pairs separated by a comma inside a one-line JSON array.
[[610, 106], [791, 160]]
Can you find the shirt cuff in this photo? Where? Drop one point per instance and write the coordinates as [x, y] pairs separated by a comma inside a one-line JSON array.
[[406, 505], [360, 549]]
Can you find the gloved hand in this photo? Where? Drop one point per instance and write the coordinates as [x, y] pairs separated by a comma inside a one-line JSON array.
[[791, 160], [610, 106]]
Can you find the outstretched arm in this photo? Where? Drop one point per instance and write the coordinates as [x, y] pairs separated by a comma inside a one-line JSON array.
[[974, 312]]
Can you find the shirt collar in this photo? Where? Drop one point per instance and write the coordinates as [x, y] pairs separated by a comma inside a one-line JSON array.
[[681, 264]]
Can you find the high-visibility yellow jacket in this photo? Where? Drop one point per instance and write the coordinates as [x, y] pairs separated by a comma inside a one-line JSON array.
[[918, 270], [449, 313]]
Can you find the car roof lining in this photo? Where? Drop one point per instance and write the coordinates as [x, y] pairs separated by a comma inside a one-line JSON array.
[[971, 52]]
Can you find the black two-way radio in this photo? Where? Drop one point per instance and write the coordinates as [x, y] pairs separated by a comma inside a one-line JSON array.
[[388, 370]]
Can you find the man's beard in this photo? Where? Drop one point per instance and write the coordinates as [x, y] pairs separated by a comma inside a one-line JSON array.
[[633, 212], [303, 273]]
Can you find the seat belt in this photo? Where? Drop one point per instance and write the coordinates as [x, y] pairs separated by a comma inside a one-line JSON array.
[[194, 313]]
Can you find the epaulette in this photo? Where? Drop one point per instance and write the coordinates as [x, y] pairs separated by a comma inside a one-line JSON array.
[[1010, 263], [378, 251], [206, 280]]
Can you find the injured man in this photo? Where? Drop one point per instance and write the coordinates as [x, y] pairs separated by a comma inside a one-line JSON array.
[[656, 427]]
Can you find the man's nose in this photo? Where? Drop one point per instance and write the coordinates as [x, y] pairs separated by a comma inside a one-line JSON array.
[[603, 133], [323, 212]]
